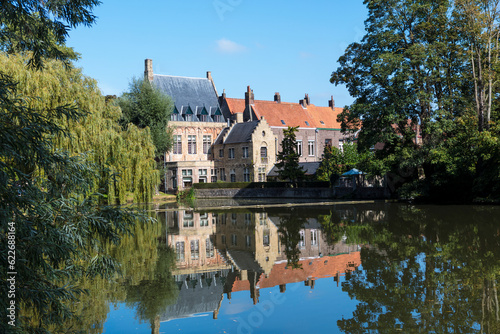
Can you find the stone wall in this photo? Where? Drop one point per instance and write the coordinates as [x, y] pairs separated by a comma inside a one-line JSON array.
[[296, 193]]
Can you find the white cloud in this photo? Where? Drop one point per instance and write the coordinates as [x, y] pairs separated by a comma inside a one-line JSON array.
[[229, 47]]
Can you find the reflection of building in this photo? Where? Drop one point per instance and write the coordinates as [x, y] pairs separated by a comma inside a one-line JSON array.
[[221, 253]]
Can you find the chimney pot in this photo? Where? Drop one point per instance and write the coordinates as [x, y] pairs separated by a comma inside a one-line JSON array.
[[331, 103], [277, 97]]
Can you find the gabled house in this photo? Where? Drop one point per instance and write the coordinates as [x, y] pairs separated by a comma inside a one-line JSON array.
[[317, 126], [245, 151], [196, 122]]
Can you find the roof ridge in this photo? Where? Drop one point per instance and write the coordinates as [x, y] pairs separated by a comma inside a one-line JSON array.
[[179, 76]]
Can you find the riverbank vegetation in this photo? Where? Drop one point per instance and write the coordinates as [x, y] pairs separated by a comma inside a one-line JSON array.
[[425, 82], [63, 160]]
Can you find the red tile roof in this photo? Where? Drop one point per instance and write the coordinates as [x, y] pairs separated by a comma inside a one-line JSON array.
[[292, 114]]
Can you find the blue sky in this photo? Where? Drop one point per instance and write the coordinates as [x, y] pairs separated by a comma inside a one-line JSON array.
[[290, 47]]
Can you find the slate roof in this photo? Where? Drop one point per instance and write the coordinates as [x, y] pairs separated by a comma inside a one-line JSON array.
[[241, 132], [196, 93], [309, 167]]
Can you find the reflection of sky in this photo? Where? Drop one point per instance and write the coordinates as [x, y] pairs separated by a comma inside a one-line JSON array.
[[300, 309]]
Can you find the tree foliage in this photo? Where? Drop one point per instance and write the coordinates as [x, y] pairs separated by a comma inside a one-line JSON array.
[[335, 162], [40, 28], [415, 79], [126, 154], [147, 107], [288, 158]]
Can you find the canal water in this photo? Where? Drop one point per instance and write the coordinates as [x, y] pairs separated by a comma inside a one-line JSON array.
[[338, 268]]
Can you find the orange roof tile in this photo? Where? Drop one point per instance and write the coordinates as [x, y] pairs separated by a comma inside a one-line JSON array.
[[324, 117], [292, 114], [236, 105]]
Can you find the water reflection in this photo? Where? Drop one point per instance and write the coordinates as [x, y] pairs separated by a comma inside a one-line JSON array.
[[407, 268], [220, 253]]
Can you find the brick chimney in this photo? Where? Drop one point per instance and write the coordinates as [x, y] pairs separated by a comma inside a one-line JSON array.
[[331, 103], [249, 97], [305, 102], [148, 69], [277, 97]]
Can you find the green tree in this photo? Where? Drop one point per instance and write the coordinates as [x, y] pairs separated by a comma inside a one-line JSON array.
[[48, 207], [335, 162], [288, 158], [146, 106], [415, 77], [40, 28], [331, 164]]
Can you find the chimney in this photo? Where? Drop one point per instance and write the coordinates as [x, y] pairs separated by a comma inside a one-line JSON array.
[[209, 77], [148, 69], [239, 117], [223, 94], [306, 100], [277, 97], [331, 103], [249, 97]]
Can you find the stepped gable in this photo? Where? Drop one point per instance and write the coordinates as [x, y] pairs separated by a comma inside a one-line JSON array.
[[193, 92]]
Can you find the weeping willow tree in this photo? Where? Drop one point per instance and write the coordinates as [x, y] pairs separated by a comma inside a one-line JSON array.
[[125, 155]]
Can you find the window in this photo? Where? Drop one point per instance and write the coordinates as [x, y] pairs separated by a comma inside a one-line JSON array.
[[234, 218], [210, 248], [202, 175], [283, 122], [231, 153], [223, 239], [188, 220], [187, 172], [195, 249], [232, 175], [207, 142], [245, 152], [223, 174], [248, 219], [177, 149], [179, 250], [214, 175], [262, 174], [328, 142], [310, 147], [299, 147], [248, 241], [314, 237], [265, 237], [234, 240], [204, 219], [341, 145], [302, 242], [221, 153], [246, 174], [263, 155], [191, 144], [307, 123]]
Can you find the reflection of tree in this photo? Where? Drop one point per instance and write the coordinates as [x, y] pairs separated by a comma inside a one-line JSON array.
[[152, 296], [430, 269], [289, 230]]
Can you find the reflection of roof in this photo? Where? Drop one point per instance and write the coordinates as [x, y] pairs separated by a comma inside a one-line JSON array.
[[309, 167], [243, 260], [320, 267], [353, 171], [194, 92], [241, 132], [196, 295]]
